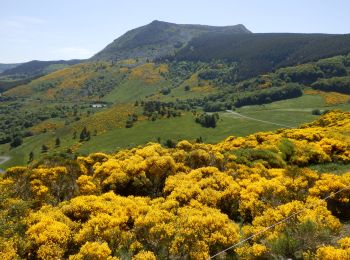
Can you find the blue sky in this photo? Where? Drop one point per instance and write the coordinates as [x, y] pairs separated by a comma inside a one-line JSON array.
[[67, 29]]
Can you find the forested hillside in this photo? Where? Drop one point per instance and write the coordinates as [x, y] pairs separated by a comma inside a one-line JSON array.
[[190, 201], [35, 67], [260, 53], [19, 74], [325, 75], [4, 66], [45, 106], [127, 98]]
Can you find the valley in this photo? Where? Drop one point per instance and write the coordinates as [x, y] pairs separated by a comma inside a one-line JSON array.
[[148, 102], [179, 141]]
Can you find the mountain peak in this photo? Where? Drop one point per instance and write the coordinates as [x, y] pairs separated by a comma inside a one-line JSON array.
[[157, 21], [158, 39], [242, 27]]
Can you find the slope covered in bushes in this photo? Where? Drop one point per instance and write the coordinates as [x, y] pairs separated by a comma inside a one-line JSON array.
[[190, 201], [264, 52]]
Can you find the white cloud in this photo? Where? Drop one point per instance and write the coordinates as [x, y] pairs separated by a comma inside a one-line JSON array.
[[74, 52]]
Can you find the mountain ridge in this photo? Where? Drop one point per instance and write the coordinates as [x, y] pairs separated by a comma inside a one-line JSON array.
[[7, 66], [157, 39], [259, 53], [36, 67]]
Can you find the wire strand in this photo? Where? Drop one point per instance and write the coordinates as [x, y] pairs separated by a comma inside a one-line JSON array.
[[276, 224]]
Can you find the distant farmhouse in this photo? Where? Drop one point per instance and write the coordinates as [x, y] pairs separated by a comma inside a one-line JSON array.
[[98, 105]]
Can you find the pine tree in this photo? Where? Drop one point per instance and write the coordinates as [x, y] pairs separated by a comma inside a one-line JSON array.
[[57, 142], [31, 157], [44, 148], [85, 135]]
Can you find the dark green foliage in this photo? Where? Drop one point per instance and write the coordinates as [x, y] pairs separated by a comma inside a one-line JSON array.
[[44, 148], [346, 60], [165, 91], [84, 135], [133, 117], [220, 72], [207, 120], [131, 120], [101, 84], [199, 140], [210, 74], [129, 124], [26, 72], [31, 157], [57, 142], [316, 112], [299, 238], [261, 53], [182, 70], [266, 88], [46, 85], [155, 109], [287, 149], [337, 84], [17, 141], [311, 72], [169, 143], [16, 117], [6, 84], [303, 74], [333, 67], [269, 95], [210, 106], [285, 245], [37, 68], [250, 156], [4, 66]]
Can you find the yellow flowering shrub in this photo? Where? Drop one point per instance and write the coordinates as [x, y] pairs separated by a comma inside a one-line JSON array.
[[193, 230], [8, 250], [144, 255], [200, 229], [329, 184], [49, 232], [152, 202], [248, 251], [86, 185], [149, 73], [330, 252], [208, 186], [93, 250], [301, 226]]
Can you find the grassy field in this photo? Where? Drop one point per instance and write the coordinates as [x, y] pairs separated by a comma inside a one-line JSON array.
[[291, 112], [132, 90], [176, 128], [185, 128], [20, 155]]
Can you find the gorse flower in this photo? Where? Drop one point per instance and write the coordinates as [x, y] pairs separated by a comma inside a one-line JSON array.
[[186, 202]]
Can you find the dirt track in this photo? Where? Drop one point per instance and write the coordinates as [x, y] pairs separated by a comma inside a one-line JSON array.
[[4, 159], [251, 118]]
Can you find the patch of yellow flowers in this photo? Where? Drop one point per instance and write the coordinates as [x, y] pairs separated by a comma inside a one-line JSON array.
[[187, 202]]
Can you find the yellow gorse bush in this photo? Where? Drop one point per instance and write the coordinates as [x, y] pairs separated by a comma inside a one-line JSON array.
[[187, 202]]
